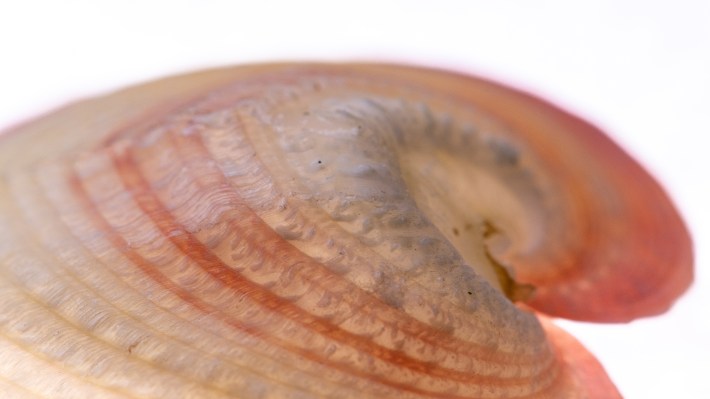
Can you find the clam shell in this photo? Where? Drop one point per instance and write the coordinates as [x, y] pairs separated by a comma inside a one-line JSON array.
[[321, 231]]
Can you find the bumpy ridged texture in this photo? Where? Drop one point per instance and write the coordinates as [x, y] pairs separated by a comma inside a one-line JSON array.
[[312, 231]]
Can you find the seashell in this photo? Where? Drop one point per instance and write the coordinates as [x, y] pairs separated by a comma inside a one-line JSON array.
[[322, 231]]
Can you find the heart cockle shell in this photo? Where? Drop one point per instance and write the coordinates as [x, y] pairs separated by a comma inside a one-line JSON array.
[[321, 231]]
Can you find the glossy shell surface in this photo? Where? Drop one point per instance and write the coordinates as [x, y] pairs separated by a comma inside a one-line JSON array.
[[321, 231]]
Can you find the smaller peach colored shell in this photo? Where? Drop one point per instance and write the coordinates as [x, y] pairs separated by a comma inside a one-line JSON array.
[[321, 231]]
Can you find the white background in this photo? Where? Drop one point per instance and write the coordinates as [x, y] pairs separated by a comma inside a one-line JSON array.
[[639, 69]]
